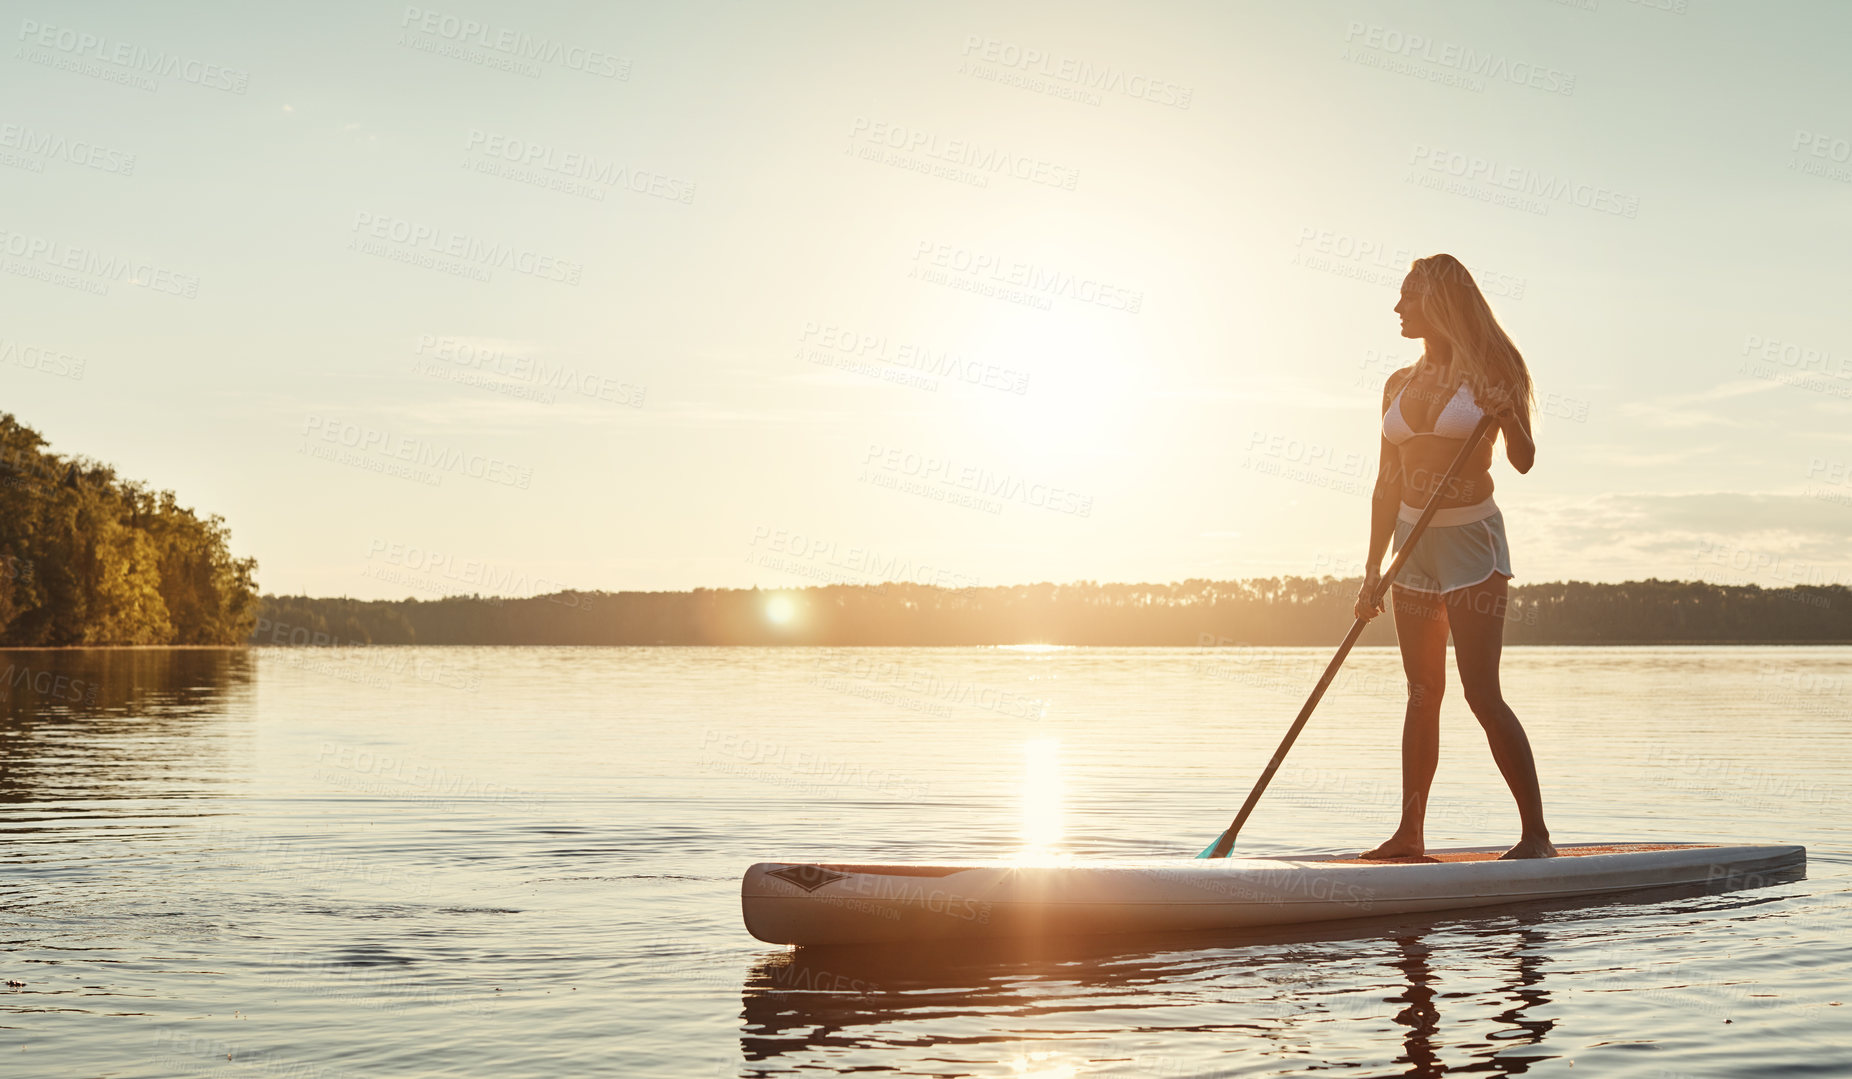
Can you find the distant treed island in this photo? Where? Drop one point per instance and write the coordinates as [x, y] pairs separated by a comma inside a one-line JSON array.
[[89, 558], [1272, 611]]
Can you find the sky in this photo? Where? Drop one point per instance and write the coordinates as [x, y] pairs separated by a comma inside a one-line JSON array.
[[510, 298]]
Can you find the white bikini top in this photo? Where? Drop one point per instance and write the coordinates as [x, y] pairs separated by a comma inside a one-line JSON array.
[[1456, 420]]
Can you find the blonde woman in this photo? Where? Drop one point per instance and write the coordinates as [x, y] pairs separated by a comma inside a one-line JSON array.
[[1457, 575]]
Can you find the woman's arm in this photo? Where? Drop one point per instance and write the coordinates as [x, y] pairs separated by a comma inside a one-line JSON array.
[[1385, 503], [1514, 424]]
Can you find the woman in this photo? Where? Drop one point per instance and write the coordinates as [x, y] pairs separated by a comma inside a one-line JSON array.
[[1457, 575]]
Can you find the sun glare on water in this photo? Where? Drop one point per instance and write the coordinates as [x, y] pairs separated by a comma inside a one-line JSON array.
[[1043, 1065], [1041, 797]]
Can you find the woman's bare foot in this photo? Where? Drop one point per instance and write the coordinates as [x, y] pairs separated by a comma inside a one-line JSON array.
[[1531, 848], [1397, 847]]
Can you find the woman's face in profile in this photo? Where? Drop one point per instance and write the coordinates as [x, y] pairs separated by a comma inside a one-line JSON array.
[[1414, 318]]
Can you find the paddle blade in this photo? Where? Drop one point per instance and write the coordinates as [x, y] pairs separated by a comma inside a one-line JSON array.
[[1209, 851]]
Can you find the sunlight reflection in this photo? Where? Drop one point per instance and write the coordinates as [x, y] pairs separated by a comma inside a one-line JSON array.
[[1041, 796], [1042, 1064]]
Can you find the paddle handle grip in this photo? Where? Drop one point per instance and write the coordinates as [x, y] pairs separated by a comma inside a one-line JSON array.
[[1226, 841]]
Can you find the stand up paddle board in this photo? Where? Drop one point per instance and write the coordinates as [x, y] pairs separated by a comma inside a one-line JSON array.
[[814, 903]]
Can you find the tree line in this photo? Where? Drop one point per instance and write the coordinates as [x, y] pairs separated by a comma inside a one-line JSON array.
[[90, 558], [1275, 611]]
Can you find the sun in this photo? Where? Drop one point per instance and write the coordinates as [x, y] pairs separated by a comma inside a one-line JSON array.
[[780, 610]]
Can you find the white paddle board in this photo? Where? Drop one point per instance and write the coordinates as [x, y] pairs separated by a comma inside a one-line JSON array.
[[821, 903]]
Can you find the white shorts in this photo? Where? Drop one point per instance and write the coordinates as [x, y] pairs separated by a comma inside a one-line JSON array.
[[1462, 546]]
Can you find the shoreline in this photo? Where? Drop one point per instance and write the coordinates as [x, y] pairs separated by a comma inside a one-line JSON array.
[[125, 647]]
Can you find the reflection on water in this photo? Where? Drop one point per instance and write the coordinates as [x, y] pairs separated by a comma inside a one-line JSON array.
[[1041, 796], [1279, 993], [114, 723], [525, 862]]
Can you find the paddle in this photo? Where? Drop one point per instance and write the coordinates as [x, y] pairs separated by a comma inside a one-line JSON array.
[[1226, 841]]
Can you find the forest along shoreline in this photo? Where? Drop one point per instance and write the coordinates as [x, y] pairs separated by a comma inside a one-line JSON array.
[[88, 558], [1267, 612]]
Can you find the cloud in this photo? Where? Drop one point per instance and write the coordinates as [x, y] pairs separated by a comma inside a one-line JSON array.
[[492, 412], [1729, 536], [1677, 411], [1615, 454]]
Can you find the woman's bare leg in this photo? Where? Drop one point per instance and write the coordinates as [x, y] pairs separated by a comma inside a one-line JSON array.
[[1421, 630], [1478, 618]]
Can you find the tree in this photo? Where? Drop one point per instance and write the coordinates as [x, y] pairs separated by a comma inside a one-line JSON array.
[[87, 558]]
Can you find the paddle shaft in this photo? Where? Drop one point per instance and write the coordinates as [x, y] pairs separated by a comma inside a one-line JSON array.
[[1227, 841]]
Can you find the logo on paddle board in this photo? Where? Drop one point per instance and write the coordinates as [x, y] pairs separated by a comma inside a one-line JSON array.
[[807, 877]]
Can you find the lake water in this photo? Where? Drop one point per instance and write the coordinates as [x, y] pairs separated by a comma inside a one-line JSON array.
[[525, 862]]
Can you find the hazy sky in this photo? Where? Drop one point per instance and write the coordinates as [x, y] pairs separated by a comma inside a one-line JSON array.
[[514, 297]]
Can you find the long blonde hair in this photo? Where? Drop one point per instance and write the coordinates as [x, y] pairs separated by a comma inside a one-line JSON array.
[[1483, 355]]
